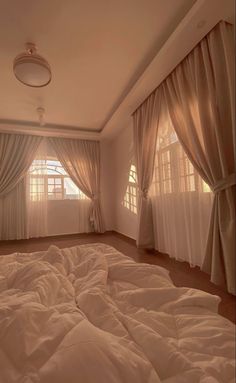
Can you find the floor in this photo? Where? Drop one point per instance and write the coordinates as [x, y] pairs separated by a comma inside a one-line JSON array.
[[181, 273]]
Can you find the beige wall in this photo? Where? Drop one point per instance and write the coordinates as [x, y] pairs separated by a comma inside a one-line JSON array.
[[107, 184], [116, 159], [64, 217], [125, 221]]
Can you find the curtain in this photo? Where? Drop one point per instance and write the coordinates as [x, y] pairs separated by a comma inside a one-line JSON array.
[[200, 99], [13, 213], [145, 120], [16, 155], [81, 160], [181, 200], [37, 198], [55, 204]]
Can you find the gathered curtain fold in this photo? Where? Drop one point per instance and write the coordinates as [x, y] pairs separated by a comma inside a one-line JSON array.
[[16, 155], [13, 213], [81, 160], [145, 126], [38, 206], [200, 98]]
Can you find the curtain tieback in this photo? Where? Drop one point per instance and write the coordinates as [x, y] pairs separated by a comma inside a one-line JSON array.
[[225, 183], [144, 193]]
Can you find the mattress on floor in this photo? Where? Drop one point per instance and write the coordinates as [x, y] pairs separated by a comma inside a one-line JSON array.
[[90, 314]]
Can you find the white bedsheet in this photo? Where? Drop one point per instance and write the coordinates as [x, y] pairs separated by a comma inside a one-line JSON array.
[[88, 314]]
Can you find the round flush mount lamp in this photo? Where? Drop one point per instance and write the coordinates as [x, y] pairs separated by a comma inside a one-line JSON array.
[[32, 69]]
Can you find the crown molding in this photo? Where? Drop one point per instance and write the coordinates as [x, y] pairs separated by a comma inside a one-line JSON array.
[[49, 130], [200, 19]]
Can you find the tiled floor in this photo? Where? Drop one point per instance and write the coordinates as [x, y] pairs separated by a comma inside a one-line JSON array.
[[181, 273]]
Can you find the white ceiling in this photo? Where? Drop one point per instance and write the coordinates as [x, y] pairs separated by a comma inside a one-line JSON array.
[[97, 50]]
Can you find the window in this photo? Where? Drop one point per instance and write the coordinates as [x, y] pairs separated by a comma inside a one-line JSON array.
[[166, 171], [163, 182], [186, 173], [173, 171], [181, 201], [130, 198], [49, 179]]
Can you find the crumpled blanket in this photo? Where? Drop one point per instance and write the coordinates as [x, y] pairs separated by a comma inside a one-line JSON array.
[[89, 314]]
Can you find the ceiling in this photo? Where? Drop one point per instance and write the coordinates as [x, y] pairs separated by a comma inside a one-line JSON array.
[[97, 50], [106, 57]]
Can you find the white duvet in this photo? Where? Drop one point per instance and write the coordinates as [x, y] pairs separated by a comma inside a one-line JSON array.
[[88, 314]]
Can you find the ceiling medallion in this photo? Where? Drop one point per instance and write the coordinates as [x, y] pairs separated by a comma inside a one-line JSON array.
[[32, 69]]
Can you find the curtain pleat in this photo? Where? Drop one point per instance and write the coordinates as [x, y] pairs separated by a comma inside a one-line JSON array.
[[81, 160], [16, 155], [181, 201], [200, 100], [13, 213], [145, 126], [199, 95]]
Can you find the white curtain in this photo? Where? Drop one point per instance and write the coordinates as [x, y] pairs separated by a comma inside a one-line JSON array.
[[145, 120], [13, 213], [200, 98], [81, 160], [181, 201], [37, 197], [16, 155], [55, 205]]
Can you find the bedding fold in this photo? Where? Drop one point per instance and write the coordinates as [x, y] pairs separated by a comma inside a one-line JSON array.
[[90, 314]]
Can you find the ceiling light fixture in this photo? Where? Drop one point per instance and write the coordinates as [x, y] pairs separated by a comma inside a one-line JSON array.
[[41, 112], [32, 69]]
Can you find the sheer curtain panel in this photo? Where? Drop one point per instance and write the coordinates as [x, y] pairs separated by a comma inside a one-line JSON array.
[[200, 98], [145, 120], [181, 200], [37, 198], [55, 204], [81, 160], [16, 154], [13, 213]]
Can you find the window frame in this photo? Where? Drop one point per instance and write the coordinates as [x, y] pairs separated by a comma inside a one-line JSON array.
[[131, 193], [45, 176], [175, 172]]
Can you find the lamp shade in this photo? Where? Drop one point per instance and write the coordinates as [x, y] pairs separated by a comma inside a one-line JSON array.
[[32, 69]]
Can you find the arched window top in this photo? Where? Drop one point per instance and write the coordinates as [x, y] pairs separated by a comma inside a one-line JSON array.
[[50, 181], [50, 167]]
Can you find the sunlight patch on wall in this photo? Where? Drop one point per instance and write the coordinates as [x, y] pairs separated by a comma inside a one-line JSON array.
[[130, 197]]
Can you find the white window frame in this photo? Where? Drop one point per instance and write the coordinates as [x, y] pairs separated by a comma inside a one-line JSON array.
[[46, 177], [175, 172], [131, 194]]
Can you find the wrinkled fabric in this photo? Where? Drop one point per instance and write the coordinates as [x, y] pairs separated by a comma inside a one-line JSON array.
[[145, 127], [91, 314], [16, 155], [200, 98], [81, 160]]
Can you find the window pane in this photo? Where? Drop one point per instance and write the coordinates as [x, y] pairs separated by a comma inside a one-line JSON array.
[[36, 187], [191, 183], [206, 188], [50, 188], [130, 197], [51, 181], [71, 191], [58, 184]]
